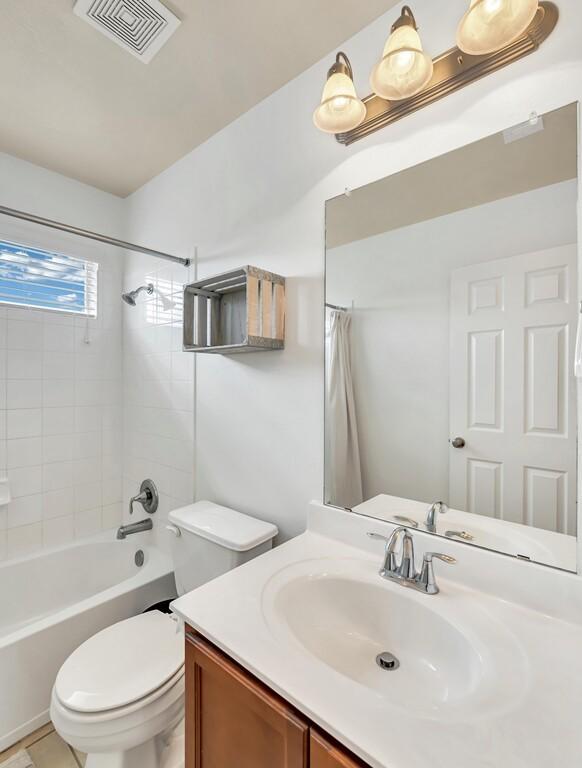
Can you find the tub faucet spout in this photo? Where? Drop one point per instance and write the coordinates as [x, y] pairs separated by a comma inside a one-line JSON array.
[[142, 525]]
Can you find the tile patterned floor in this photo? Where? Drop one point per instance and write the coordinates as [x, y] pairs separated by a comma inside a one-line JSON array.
[[47, 750]]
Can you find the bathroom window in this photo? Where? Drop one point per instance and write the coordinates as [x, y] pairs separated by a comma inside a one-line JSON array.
[[30, 277]]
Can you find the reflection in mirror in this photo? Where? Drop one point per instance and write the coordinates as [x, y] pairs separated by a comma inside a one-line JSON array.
[[451, 321]]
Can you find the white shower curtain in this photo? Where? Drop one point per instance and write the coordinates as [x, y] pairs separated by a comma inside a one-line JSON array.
[[344, 487]]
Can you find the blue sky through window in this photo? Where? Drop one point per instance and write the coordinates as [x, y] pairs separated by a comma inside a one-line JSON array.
[[44, 279]]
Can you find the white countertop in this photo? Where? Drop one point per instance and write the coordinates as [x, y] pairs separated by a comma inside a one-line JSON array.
[[536, 724]]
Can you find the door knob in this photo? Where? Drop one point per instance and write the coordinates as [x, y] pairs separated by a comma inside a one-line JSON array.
[[458, 442]]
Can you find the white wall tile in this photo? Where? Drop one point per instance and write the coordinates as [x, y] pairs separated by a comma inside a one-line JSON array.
[[57, 448], [58, 531], [23, 334], [87, 523], [84, 471], [58, 503], [23, 540], [23, 364], [58, 393], [24, 422], [24, 452], [58, 365], [57, 475], [58, 421], [25, 481], [57, 338], [25, 511], [23, 393], [88, 419], [88, 496], [112, 516]]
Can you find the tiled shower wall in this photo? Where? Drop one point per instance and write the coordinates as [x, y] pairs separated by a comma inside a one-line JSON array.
[[158, 391], [61, 412]]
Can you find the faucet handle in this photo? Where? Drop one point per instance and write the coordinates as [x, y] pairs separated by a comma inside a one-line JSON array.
[[428, 558], [389, 556], [426, 579]]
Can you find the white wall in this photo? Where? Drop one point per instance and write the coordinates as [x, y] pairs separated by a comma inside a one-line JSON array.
[[60, 397], [399, 283], [255, 193]]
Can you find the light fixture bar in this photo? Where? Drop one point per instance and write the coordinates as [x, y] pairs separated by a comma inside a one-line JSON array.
[[454, 70]]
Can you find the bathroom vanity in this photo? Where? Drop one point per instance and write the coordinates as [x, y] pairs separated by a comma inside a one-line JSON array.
[[282, 658]]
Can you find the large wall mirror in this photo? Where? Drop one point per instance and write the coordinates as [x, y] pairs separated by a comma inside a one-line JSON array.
[[452, 311]]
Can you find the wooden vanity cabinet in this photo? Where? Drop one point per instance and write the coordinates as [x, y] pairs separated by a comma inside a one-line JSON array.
[[234, 721]]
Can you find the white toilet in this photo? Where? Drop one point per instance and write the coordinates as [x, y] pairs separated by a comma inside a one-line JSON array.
[[119, 696]]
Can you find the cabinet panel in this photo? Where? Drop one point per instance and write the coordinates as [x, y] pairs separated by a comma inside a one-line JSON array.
[[233, 721], [324, 754]]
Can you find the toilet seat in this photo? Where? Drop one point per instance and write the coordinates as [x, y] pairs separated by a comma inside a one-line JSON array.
[[121, 665], [122, 687]]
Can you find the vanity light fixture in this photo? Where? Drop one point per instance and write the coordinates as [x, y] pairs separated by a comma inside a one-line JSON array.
[[490, 25], [404, 69], [340, 108], [491, 35]]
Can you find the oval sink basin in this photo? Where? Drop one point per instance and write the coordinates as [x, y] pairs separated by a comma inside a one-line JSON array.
[[450, 654]]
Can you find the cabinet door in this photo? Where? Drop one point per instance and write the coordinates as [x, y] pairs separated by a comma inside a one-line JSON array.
[[232, 720], [326, 755]]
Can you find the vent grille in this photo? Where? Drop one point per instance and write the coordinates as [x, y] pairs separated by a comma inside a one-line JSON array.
[[142, 27]]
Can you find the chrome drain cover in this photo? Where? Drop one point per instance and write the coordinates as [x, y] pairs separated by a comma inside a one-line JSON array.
[[139, 558], [387, 661]]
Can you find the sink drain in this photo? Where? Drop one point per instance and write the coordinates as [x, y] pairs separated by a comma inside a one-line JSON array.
[[387, 661]]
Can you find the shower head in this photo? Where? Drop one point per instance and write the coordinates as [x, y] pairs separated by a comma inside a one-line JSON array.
[[131, 296]]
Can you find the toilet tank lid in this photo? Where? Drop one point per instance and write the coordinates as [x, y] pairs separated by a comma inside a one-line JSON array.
[[224, 526]]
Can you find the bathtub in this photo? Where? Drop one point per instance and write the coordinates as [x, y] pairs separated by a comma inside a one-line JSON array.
[[52, 601]]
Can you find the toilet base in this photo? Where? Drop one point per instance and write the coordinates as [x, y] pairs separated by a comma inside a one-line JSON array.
[[164, 751], [143, 756]]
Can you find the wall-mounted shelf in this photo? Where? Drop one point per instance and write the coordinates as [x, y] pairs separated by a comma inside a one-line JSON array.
[[238, 311]]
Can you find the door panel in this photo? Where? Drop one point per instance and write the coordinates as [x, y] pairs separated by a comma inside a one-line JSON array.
[[512, 389], [546, 379]]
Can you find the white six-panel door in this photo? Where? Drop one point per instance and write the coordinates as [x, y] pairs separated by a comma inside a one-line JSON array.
[[512, 389]]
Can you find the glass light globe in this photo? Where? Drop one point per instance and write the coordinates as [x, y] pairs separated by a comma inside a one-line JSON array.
[[490, 25], [404, 69], [340, 109]]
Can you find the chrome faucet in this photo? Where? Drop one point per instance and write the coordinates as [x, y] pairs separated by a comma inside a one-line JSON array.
[[142, 525], [149, 499], [404, 573], [438, 507]]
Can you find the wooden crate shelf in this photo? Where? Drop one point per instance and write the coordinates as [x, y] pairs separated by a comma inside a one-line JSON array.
[[238, 311]]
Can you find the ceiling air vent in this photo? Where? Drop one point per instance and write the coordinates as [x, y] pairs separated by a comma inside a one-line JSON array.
[[142, 27]]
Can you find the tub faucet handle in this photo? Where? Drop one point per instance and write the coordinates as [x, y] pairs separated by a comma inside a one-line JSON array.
[[147, 497]]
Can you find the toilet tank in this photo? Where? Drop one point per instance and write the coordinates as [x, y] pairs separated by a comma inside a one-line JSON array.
[[209, 540]]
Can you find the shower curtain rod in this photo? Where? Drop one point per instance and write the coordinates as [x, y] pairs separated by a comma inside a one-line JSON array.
[[91, 235]]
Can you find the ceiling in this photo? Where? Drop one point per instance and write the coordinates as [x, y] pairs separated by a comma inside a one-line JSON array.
[[77, 103], [476, 174]]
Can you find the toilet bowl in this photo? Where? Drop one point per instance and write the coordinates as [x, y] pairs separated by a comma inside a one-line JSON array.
[[119, 696]]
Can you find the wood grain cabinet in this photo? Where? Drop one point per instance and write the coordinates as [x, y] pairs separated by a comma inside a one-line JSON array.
[[234, 721], [324, 754]]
